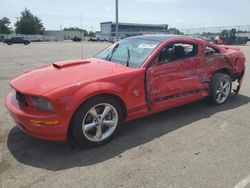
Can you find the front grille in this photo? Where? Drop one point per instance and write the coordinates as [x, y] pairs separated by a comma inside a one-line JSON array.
[[21, 98]]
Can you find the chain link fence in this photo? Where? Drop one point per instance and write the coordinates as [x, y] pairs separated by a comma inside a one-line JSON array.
[[46, 36], [29, 37], [241, 31]]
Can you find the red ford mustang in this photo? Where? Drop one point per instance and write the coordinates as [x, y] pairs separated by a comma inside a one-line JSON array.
[[89, 99]]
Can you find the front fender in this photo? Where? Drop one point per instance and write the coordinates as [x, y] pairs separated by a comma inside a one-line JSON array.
[[92, 90]]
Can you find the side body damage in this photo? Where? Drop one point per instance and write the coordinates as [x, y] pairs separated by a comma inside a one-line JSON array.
[[179, 71]]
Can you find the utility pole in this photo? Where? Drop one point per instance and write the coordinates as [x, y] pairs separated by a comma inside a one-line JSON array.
[[117, 23], [82, 38]]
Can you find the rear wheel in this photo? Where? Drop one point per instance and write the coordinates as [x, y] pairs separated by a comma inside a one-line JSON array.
[[220, 88], [97, 121], [9, 43]]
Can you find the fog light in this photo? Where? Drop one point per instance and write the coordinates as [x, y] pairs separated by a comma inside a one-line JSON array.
[[44, 122]]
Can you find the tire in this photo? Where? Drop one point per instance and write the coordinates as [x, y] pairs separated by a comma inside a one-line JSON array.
[[26, 43], [219, 89], [9, 43], [87, 127]]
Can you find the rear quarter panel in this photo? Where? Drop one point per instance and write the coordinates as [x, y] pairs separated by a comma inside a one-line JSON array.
[[230, 58], [235, 58]]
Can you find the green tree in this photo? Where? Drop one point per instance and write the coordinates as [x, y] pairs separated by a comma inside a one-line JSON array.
[[91, 34], [85, 32], [29, 24], [175, 31], [4, 26]]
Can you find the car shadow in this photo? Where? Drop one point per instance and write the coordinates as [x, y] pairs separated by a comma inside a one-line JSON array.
[[57, 156]]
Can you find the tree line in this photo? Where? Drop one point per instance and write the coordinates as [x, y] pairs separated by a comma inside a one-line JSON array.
[[31, 24], [26, 24]]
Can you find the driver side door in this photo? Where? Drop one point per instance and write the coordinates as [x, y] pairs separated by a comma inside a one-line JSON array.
[[175, 76]]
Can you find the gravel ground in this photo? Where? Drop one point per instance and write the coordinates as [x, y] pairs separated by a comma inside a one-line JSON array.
[[195, 145]]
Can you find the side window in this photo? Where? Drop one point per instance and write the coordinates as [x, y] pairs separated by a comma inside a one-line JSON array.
[[210, 51], [177, 51]]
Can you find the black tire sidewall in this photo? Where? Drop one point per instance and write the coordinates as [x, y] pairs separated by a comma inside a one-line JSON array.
[[76, 132]]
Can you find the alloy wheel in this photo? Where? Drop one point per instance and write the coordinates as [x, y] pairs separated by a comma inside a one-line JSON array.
[[100, 122], [223, 91]]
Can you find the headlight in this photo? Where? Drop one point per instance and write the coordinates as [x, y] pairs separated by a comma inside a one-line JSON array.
[[42, 104]]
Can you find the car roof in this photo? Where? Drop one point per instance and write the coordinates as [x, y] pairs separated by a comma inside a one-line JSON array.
[[158, 37], [162, 37]]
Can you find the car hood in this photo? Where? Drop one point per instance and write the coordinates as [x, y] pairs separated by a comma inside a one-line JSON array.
[[45, 79]]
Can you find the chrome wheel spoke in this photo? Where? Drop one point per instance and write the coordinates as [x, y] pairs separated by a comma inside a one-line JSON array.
[[93, 113], [221, 84], [219, 96], [98, 133], [90, 126], [106, 110], [224, 93], [109, 123], [226, 85]]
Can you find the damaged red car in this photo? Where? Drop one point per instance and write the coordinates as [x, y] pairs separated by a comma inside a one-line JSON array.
[[89, 99]]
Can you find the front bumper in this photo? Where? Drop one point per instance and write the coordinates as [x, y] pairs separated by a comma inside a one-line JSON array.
[[32, 122]]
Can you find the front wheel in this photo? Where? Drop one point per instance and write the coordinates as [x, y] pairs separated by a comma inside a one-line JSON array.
[[220, 88], [97, 121]]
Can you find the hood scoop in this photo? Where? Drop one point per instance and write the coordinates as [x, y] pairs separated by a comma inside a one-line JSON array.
[[69, 63]]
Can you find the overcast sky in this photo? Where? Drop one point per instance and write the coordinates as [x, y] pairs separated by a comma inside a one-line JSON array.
[[176, 13]]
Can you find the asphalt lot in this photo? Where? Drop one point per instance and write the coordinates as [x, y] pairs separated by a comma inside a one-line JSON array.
[[195, 145]]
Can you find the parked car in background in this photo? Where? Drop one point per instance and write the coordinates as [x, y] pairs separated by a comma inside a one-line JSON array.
[[94, 39], [88, 100], [16, 40], [76, 39]]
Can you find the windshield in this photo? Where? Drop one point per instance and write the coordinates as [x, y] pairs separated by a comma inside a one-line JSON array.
[[129, 52]]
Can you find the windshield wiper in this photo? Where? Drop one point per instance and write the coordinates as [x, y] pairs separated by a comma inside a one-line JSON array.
[[128, 59]]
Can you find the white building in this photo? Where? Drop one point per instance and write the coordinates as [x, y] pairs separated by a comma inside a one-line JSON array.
[[131, 29]]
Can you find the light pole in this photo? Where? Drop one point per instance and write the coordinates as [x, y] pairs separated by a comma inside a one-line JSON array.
[[117, 24]]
